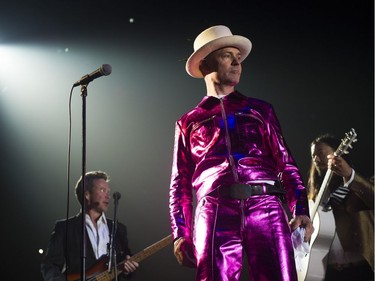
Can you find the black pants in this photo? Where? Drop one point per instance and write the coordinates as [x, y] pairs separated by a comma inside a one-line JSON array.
[[361, 272]]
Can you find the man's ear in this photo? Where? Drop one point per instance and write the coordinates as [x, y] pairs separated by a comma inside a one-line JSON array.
[[87, 195], [204, 67]]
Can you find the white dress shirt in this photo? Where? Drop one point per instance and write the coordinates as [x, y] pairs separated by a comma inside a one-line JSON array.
[[99, 236]]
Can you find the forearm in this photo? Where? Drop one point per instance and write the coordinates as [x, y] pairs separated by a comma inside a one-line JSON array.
[[364, 189]]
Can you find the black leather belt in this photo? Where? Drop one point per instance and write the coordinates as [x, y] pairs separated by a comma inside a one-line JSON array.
[[243, 191]]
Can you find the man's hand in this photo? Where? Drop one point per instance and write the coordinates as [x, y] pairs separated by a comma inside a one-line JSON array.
[[339, 166], [184, 252], [129, 265], [304, 222]]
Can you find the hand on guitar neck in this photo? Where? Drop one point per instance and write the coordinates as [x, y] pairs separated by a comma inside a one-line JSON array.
[[340, 167], [130, 265]]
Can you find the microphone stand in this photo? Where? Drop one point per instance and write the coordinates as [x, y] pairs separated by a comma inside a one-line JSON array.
[[83, 245], [106, 69], [112, 245]]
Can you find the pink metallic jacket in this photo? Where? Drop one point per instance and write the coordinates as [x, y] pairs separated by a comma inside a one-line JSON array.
[[236, 139]]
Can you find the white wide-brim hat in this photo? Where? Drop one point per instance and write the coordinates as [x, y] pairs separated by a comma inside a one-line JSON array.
[[212, 39]]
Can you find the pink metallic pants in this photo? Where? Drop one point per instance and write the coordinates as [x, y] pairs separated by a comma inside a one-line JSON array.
[[258, 226]]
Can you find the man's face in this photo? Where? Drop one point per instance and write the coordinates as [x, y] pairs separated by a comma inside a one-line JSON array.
[[225, 66], [99, 199], [319, 153]]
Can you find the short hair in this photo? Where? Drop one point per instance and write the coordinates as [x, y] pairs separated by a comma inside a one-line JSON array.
[[89, 182]]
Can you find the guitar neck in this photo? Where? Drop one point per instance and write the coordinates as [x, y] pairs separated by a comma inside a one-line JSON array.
[[151, 249], [323, 188]]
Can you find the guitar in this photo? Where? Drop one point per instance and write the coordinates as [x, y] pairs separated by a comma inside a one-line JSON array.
[[314, 264], [99, 272]]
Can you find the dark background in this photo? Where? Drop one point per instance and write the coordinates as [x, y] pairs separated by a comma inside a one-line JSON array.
[[313, 60]]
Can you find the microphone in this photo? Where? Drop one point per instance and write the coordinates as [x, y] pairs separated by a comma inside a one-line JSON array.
[[105, 70], [116, 196]]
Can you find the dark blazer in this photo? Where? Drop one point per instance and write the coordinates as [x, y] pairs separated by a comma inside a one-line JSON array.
[[355, 219], [66, 253]]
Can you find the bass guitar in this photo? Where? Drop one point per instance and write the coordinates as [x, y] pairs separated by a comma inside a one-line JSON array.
[[99, 272], [314, 264]]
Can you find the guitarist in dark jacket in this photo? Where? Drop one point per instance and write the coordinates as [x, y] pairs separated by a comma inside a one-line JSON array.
[[63, 255], [351, 256]]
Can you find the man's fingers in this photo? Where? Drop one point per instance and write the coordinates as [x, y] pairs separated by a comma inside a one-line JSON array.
[[130, 266], [295, 223], [304, 222], [177, 250], [309, 230]]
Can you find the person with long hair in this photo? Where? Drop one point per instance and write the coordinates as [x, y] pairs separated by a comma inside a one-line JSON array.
[[351, 199]]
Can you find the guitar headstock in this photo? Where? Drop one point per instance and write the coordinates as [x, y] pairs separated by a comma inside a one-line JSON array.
[[346, 143]]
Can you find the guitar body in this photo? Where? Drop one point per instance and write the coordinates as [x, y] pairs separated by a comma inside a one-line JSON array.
[[324, 224], [99, 267], [303, 262]]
